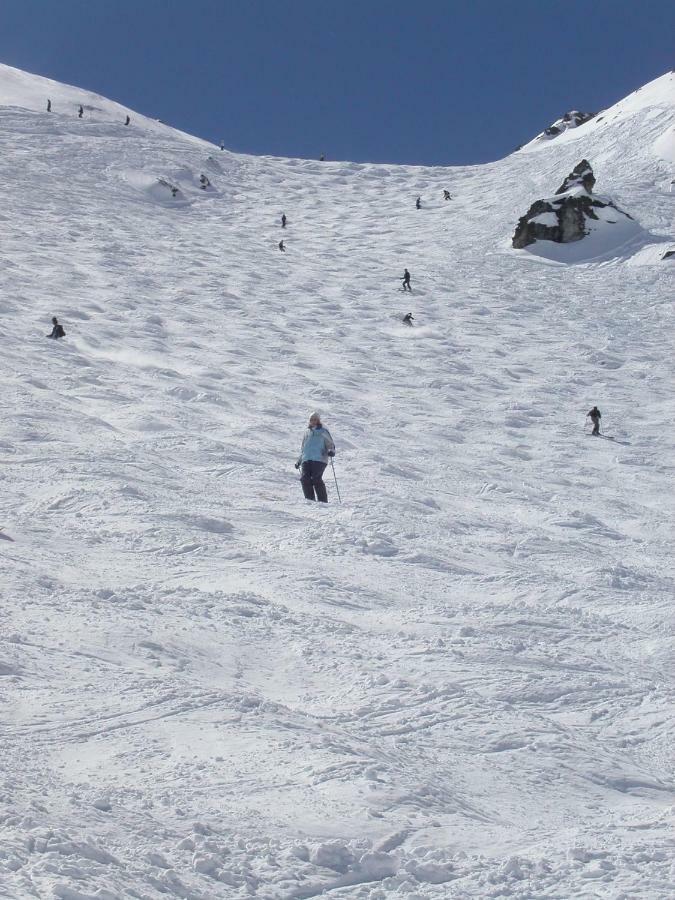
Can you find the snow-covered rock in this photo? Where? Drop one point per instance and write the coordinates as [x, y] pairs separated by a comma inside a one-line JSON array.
[[571, 119], [581, 177], [573, 213]]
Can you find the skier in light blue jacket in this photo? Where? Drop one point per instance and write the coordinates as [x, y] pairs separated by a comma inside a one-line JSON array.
[[317, 448]]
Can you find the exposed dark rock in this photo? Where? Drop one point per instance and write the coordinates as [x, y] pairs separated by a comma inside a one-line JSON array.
[[563, 218], [572, 119], [669, 254], [580, 176]]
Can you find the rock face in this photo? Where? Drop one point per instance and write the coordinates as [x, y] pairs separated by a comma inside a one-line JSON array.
[[571, 119], [564, 217], [669, 254], [580, 176]]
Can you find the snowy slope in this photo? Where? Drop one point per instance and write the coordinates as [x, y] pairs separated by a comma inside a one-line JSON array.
[[459, 682]]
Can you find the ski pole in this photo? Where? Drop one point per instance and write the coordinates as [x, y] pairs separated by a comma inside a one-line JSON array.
[[332, 465]]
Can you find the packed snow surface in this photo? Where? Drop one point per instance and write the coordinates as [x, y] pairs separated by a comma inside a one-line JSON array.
[[457, 683]]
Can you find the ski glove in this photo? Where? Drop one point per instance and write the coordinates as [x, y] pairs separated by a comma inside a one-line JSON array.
[[331, 452]]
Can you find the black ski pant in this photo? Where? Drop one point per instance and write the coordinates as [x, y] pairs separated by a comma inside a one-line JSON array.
[[312, 481], [406, 286], [596, 426]]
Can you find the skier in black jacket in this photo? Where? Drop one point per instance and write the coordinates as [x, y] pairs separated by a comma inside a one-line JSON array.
[[57, 330], [595, 416]]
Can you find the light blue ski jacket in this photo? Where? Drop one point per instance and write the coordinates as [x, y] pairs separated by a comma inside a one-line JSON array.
[[316, 443]]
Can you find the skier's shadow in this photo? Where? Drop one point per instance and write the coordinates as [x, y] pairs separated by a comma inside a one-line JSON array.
[[606, 437]]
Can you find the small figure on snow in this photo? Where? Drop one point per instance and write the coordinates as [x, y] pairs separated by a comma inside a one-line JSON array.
[[128, 120], [281, 247], [322, 158], [80, 112], [204, 182], [418, 203], [408, 319], [222, 145], [595, 415], [167, 184], [446, 195], [283, 220], [406, 281], [317, 448], [57, 330], [49, 105]]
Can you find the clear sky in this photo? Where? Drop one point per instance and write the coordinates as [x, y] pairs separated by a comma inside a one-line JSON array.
[[409, 81]]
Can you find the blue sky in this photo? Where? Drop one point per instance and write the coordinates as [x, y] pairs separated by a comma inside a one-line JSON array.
[[421, 81]]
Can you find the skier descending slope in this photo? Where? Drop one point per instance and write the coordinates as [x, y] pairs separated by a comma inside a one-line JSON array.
[[58, 330], [317, 448], [595, 416], [406, 280]]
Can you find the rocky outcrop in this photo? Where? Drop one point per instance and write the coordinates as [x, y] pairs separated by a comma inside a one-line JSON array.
[[580, 176], [571, 119], [669, 254], [565, 217]]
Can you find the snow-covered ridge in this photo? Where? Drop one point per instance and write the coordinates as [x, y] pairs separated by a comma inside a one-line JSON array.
[[648, 102], [26, 91], [456, 683]]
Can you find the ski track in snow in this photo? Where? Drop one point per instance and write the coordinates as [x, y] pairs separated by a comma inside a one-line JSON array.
[[459, 682]]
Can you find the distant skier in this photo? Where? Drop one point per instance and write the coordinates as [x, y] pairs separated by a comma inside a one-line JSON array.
[[446, 195], [408, 319], [317, 448], [322, 158], [128, 120], [281, 247], [222, 145], [595, 415], [49, 105], [418, 203], [57, 330], [283, 220], [80, 112], [406, 281], [204, 182]]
